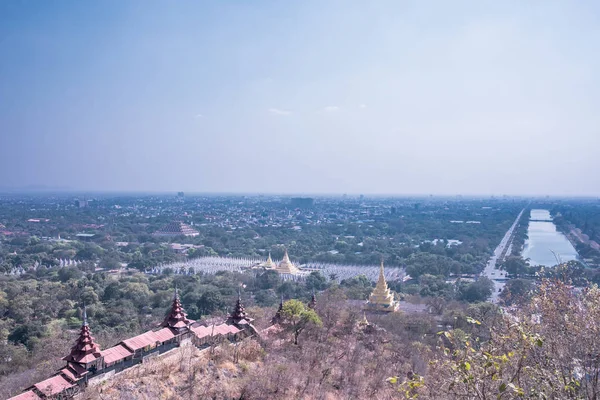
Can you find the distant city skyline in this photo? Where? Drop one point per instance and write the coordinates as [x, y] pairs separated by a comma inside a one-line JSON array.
[[333, 97], [91, 194]]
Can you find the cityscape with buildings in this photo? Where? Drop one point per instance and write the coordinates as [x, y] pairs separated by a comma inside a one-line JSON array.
[[108, 267], [316, 200]]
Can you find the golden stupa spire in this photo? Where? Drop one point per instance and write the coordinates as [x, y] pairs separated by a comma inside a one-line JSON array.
[[364, 320], [286, 257], [381, 299], [381, 283], [269, 263]]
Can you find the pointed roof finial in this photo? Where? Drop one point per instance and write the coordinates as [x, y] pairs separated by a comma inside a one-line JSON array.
[[269, 263], [238, 315], [85, 322], [313, 301], [364, 320], [85, 349], [279, 314], [177, 318]]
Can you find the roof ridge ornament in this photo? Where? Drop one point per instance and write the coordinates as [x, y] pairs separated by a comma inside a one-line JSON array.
[[85, 321]]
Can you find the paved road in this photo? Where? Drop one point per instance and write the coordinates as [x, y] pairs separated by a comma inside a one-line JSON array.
[[496, 275]]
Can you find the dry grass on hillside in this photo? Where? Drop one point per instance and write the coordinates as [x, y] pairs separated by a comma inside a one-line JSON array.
[[338, 360], [186, 373]]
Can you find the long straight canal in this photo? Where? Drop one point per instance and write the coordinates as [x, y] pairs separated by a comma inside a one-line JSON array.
[[544, 241]]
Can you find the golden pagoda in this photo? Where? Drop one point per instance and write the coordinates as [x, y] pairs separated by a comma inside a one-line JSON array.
[[269, 264], [381, 299], [286, 266], [364, 321]]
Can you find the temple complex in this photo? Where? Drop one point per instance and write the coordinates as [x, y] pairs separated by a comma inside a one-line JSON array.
[[381, 299], [285, 267], [87, 364], [211, 265], [175, 229]]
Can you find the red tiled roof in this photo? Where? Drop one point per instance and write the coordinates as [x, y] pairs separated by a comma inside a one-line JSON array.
[[141, 341], [116, 353], [223, 329], [87, 358], [53, 386], [202, 331], [69, 374], [28, 395], [79, 370], [164, 334], [149, 338]]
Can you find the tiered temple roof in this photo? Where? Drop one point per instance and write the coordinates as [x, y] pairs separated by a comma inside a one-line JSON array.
[[381, 299], [86, 360], [313, 301], [85, 350], [238, 315], [286, 266], [176, 228], [177, 318], [279, 314]]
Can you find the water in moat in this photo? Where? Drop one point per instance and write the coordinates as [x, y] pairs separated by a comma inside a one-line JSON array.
[[545, 239]]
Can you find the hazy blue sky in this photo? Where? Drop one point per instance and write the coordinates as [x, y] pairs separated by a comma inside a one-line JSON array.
[[402, 97]]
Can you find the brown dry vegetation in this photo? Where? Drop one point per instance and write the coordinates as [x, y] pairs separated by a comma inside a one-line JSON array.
[[548, 349], [339, 360]]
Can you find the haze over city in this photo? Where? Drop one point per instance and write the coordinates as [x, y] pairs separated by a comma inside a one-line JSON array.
[[276, 200], [301, 97]]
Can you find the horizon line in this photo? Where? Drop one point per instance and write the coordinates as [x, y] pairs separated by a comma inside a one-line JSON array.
[[68, 191]]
